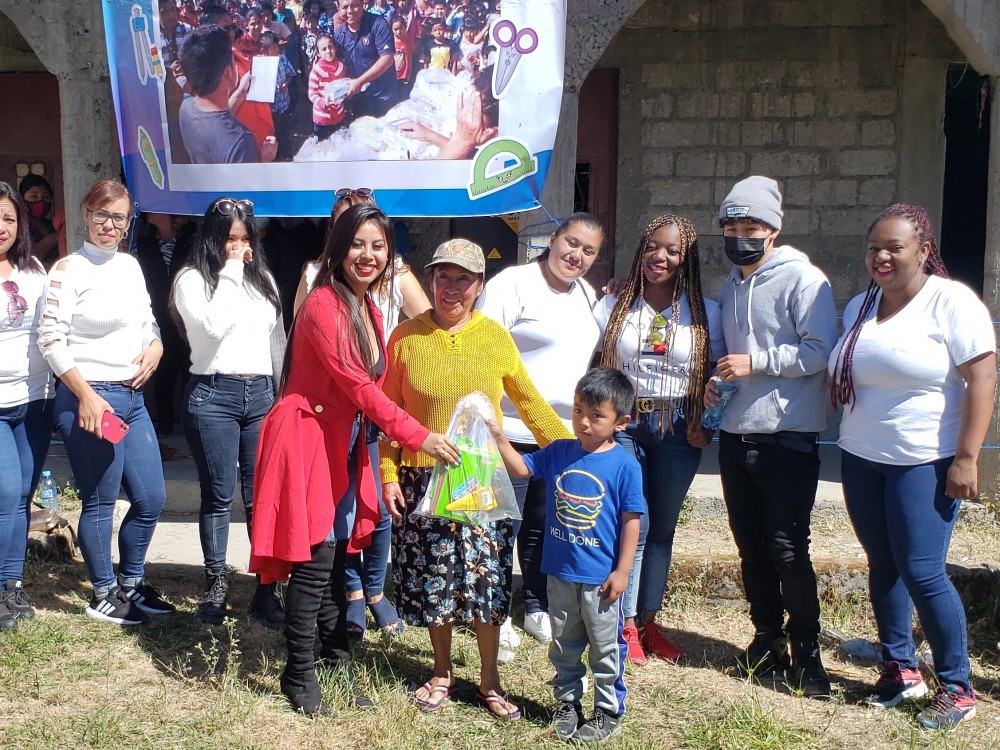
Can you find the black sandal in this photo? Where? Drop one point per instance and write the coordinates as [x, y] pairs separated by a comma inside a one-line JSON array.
[[357, 622], [386, 617]]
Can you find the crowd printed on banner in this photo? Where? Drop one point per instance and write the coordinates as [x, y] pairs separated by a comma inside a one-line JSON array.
[[461, 122]]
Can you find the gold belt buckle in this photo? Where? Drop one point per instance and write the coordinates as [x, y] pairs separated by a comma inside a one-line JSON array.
[[645, 405]]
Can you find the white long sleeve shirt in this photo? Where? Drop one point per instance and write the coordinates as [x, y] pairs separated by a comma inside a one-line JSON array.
[[234, 330], [24, 376], [97, 315]]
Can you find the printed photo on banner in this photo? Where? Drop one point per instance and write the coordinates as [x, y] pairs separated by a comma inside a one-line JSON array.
[[465, 108]]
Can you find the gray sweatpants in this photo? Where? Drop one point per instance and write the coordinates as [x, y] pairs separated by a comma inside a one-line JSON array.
[[581, 617]]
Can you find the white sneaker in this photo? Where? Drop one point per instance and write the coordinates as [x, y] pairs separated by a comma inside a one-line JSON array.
[[509, 641], [539, 626]]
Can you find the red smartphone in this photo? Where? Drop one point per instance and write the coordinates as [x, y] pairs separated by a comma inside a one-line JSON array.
[[112, 428]]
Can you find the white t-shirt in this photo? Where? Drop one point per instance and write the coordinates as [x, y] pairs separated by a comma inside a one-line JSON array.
[[908, 393], [234, 330], [24, 376], [641, 345], [389, 305], [555, 332]]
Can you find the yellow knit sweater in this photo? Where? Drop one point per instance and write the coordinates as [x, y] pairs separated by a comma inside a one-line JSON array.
[[430, 370]]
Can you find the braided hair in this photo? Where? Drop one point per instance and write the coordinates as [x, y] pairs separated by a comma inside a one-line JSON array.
[[842, 382], [689, 282]]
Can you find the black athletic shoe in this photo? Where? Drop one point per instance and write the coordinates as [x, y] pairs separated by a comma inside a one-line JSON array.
[[767, 654], [265, 607], [17, 601], [601, 726], [148, 599], [7, 619], [566, 719], [115, 608], [807, 673], [212, 608]]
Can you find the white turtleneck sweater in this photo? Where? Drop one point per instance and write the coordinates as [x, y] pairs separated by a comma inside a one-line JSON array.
[[97, 315], [233, 330]]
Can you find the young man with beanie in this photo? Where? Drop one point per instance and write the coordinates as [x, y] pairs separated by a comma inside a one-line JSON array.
[[780, 325]]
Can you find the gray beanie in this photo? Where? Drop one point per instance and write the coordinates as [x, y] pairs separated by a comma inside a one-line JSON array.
[[753, 198]]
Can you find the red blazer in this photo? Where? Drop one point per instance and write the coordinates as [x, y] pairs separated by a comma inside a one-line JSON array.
[[304, 443]]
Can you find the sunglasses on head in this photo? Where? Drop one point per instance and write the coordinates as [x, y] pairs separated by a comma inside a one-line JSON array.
[[360, 192], [228, 206]]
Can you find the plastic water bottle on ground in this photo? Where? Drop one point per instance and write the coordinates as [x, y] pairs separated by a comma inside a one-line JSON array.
[[49, 491], [712, 416]]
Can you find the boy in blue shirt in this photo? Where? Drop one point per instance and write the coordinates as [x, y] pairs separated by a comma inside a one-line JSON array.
[[594, 500]]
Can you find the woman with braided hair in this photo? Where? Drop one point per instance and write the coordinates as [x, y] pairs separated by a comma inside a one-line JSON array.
[[916, 372], [661, 332]]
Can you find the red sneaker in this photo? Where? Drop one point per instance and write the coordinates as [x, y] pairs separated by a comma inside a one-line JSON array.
[[635, 654], [655, 642]]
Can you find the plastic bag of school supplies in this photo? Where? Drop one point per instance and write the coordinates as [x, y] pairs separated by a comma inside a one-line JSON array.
[[477, 490]]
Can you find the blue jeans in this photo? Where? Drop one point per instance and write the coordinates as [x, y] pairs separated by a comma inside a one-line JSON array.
[[365, 571], [25, 431], [669, 464], [222, 419], [102, 470], [904, 522]]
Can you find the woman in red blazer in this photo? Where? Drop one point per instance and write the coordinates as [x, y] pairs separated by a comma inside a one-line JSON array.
[[315, 494]]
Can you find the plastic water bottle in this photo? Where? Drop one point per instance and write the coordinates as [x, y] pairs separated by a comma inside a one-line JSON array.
[[49, 491], [712, 416]]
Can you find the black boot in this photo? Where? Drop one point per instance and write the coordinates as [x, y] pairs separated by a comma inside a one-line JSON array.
[[303, 692], [212, 608], [17, 601], [806, 673], [265, 607], [766, 655]]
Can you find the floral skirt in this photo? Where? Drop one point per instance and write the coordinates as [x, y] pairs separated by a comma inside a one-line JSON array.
[[445, 571]]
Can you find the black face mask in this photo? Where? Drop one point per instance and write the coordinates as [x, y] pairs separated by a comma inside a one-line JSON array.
[[744, 251]]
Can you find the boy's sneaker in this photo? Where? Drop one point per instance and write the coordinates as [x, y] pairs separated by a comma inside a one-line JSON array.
[[17, 601], [602, 726], [116, 608], [7, 619], [148, 599], [635, 652], [766, 654], [655, 642], [897, 684], [567, 719], [539, 626], [509, 641], [951, 706], [807, 673]]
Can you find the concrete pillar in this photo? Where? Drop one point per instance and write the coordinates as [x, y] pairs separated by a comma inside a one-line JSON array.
[[922, 149], [989, 462]]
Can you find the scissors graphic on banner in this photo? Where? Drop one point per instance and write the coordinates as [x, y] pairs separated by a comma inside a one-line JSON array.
[[511, 44]]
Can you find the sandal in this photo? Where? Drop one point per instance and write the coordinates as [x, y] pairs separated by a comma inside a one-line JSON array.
[[386, 617], [498, 701], [432, 704], [357, 623]]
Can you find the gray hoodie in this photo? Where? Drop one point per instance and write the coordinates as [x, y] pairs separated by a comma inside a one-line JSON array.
[[784, 317]]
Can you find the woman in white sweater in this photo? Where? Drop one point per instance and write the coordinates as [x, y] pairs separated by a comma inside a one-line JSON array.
[[229, 309], [99, 336], [26, 391]]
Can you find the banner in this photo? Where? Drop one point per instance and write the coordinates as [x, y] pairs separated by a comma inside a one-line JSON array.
[[459, 127]]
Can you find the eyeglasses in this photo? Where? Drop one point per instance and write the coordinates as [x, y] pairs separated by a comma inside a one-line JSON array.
[[360, 192], [100, 217], [16, 306], [228, 206]]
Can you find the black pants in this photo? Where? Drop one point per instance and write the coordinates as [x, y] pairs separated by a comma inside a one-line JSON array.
[[530, 531], [315, 602], [769, 492]]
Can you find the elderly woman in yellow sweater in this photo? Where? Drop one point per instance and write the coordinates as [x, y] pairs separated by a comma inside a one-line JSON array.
[[447, 571]]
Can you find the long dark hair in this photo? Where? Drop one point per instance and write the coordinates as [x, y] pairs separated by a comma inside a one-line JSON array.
[[206, 254], [19, 254], [688, 281], [842, 382], [352, 335]]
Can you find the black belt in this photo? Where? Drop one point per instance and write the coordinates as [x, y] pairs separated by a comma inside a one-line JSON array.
[[802, 442]]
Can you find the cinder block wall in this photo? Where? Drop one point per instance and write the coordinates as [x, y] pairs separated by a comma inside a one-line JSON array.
[[842, 103]]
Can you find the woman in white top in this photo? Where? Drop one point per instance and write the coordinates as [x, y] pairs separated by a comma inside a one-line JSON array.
[[26, 391], [916, 372], [661, 332], [548, 308], [229, 309], [99, 337], [399, 291]]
